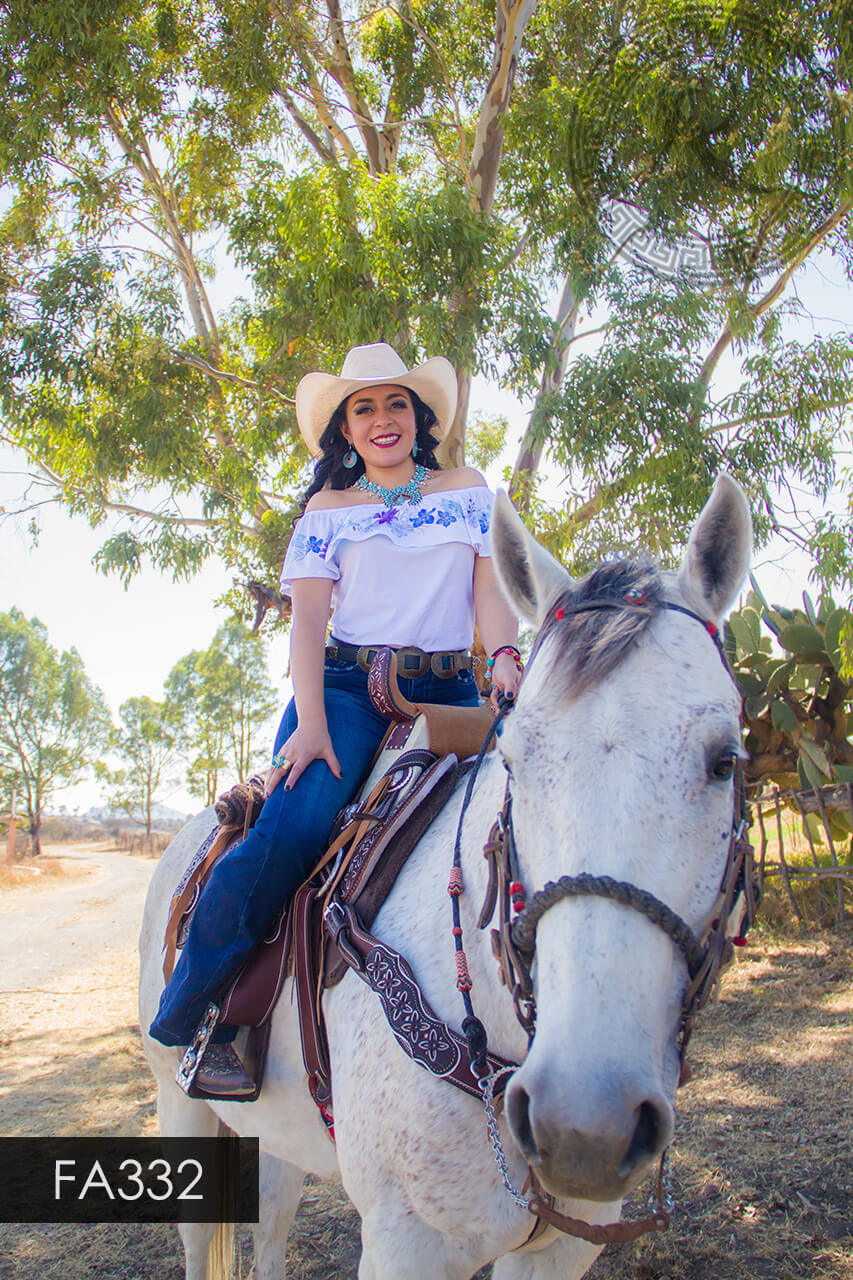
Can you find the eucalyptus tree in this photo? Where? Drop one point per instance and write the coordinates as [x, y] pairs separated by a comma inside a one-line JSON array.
[[222, 702], [146, 743], [451, 176], [53, 719]]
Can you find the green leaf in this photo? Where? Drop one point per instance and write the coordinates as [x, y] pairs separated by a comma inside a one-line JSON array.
[[835, 624], [810, 609], [778, 678], [839, 823], [800, 638], [755, 705], [783, 716], [817, 755], [809, 773], [742, 631], [748, 684], [815, 826], [844, 772]]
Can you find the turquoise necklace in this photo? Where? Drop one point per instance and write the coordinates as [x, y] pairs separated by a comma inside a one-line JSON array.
[[410, 492]]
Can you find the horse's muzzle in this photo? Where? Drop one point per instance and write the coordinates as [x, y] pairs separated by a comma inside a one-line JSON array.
[[588, 1152]]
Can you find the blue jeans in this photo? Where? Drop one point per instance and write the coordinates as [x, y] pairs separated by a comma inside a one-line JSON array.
[[250, 884]]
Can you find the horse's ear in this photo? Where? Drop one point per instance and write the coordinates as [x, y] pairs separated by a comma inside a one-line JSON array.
[[529, 575], [718, 551]]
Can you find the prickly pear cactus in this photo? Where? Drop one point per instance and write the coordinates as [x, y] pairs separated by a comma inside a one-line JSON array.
[[794, 668]]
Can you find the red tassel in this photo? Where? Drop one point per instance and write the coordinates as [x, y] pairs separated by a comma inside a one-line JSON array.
[[559, 614]]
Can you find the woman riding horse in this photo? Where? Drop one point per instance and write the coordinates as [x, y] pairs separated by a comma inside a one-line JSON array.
[[398, 551]]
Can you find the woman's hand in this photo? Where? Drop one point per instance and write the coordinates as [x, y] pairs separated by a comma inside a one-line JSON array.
[[308, 742], [506, 678]]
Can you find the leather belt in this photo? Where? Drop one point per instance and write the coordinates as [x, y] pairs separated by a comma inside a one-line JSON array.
[[412, 663]]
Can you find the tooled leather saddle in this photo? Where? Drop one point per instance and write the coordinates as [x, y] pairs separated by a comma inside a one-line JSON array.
[[324, 931]]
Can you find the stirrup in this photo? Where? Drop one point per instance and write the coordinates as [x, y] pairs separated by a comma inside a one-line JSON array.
[[186, 1072]]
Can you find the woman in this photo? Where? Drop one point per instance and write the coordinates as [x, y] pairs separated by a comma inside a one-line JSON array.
[[397, 550]]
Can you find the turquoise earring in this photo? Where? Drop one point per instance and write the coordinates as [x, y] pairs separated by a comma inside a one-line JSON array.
[[350, 458], [415, 449]]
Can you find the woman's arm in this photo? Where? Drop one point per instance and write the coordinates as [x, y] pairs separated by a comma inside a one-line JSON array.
[[311, 601], [498, 626]]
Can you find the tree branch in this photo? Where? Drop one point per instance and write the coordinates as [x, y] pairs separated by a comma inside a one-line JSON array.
[[764, 303]]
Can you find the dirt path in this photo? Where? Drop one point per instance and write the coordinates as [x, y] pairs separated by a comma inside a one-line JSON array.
[[763, 1166]]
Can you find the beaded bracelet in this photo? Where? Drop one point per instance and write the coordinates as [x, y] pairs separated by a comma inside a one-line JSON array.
[[513, 653]]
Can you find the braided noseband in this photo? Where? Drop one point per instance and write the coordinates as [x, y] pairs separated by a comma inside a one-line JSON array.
[[586, 885]]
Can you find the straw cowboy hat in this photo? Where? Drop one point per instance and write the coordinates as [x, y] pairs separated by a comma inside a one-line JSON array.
[[319, 394]]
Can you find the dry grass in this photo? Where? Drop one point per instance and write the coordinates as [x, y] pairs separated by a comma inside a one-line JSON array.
[[28, 873]]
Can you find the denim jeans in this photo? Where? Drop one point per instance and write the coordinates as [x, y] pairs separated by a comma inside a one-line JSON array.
[[250, 884]]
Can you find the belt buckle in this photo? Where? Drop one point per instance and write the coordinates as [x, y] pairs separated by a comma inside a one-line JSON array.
[[365, 656], [412, 673], [444, 673]]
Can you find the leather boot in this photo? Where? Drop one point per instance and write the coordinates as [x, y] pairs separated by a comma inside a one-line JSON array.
[[221, 1071]]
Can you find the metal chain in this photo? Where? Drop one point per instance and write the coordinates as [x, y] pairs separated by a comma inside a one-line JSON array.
[[487, 1087]]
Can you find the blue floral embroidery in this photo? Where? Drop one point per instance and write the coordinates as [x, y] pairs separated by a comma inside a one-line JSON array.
[[445, 518], [423, 517], [484, 522], [317, 546], [387, 517]]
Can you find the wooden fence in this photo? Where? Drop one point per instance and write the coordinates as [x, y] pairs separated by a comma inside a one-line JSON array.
[[807, 870]]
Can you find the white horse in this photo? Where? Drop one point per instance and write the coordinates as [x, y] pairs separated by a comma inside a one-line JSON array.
[[627, 776]]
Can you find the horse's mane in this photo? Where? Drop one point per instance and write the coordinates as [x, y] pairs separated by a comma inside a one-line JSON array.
[[588, 645]]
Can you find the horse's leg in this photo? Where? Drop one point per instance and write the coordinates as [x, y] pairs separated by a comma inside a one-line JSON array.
[[183, 1117], [280, 1189], [565, 1259], [397, 1242]]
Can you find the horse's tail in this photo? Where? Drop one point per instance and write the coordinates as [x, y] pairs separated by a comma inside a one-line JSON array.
[[220, 1253]]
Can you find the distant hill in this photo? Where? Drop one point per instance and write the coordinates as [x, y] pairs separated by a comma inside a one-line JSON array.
[[163, 818]]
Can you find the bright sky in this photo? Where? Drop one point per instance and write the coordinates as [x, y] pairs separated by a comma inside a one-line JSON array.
[[130, 640]]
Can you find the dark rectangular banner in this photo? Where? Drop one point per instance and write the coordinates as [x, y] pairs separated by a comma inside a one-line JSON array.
[[129, 1179]]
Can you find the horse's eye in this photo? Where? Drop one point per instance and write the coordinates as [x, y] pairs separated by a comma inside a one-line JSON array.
[[722, 765]]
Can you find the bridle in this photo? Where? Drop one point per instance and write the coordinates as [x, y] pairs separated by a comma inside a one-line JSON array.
[[514, 938]]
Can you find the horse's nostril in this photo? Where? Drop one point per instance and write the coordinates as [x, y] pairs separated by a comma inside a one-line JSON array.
[[648, 1137], [518, 1114]]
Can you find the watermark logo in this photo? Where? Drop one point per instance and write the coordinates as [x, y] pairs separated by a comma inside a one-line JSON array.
[[688, 256], [129, 1179]]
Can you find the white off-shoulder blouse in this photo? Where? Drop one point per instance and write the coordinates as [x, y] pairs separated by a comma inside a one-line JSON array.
[[403, 575]]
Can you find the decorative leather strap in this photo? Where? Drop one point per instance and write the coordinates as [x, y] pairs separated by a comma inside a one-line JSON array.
[[418, 1030], [212, 848], [315, 1050]]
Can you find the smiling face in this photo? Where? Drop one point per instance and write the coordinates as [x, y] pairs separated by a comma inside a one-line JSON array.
[[380, 425]]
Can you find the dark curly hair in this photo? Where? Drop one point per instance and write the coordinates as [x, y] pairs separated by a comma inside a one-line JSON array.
[[329, 468]]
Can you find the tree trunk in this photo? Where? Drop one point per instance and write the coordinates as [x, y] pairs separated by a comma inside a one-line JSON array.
[[451, 451], [35, 833], [535, 436]]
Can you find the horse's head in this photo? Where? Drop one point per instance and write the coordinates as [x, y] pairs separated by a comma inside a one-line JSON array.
[[621, 753]]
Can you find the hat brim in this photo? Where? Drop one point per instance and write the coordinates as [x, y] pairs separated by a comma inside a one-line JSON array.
[[318, 395]]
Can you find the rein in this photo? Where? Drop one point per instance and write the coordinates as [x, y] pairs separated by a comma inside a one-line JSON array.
[[514, 940]]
